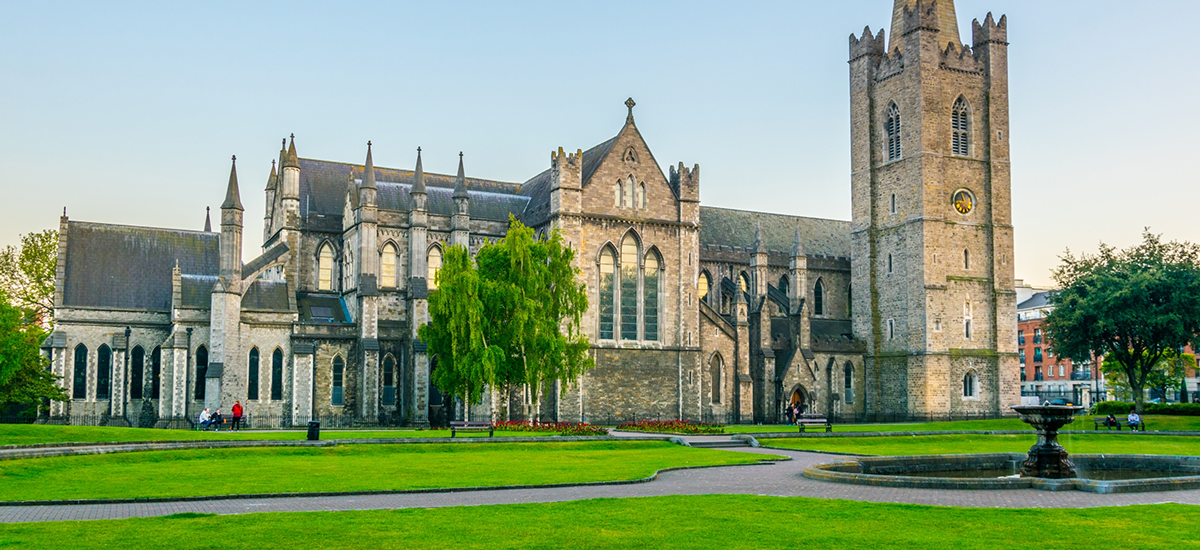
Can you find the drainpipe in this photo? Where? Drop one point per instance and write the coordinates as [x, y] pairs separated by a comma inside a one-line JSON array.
[[125, 378], [187, 367]]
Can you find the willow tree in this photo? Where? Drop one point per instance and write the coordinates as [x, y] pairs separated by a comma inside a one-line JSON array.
[[1134, 306], [511, 318]]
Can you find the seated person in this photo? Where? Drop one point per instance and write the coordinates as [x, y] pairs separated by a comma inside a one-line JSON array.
[[1135, 421], [205, 419], [1111, 421], [217, 420]]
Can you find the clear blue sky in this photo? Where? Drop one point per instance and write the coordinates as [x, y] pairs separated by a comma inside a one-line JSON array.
[[128, 113]]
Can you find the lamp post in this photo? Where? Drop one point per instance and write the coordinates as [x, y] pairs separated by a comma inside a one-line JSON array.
[[1183, 397]]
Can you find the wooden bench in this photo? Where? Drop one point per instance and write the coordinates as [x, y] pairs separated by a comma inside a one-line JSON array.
[[468, 426], [1099, 421], [813, 420]]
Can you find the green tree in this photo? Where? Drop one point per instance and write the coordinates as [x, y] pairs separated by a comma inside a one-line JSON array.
[[1167, 373], [27, 274], [513, 318], [1134, 306], [24, 378]]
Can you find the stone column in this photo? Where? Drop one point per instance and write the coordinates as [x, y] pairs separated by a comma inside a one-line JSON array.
[[58, 366], [119, 393]]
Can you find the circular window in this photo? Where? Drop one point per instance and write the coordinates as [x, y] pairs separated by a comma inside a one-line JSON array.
[[963, 201]]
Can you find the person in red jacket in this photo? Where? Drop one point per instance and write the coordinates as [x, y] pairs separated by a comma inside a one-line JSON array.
[[237, 416]]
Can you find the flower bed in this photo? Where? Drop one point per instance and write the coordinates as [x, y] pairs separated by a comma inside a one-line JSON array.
[[561, 428], [672, 426]]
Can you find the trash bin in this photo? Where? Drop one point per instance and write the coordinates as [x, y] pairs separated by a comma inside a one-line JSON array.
[[314, 430]]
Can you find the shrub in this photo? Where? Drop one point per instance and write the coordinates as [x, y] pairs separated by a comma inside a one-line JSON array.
[[561, 428], [672, 426], [1167, 409]]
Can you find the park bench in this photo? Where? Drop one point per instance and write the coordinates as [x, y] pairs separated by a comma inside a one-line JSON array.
[[813, 420], [469, 426], [1099, 421]]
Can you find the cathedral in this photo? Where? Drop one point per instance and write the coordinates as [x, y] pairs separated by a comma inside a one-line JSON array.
[[695, 312]]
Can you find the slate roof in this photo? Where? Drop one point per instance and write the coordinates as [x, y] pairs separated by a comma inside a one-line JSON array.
[[538, 187], [323, 191], [130, 267], [266, 296], [1041, 299], [728, 227], [196, 290]]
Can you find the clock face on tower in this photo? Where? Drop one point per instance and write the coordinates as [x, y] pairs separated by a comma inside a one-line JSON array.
[[963, 201]]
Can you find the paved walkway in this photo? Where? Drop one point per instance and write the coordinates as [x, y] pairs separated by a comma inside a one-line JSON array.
[[778, 479]]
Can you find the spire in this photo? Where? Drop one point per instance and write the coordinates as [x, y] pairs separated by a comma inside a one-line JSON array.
[[419, 177], [207, 223], [233, 198], [797, 248], [273, 179], [629, 103], [291, 160], [460, 182], [941, 17], [369, 170], [758, 244]]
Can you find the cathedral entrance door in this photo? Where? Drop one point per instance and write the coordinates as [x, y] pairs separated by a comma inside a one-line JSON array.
[[798, 400]]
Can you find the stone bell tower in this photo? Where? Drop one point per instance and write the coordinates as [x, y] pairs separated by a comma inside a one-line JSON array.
[[932, 267]]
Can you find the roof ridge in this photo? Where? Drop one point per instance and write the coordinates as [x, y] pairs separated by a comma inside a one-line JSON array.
[[703, 207], [411, 171], [120, 225]]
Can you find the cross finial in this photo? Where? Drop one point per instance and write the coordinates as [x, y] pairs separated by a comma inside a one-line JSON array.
[[368, 143], [234, 158], [418, 149], [460, 155], [630, 103]]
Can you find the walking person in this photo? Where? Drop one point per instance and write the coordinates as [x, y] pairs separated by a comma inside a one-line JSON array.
[[237, 417]]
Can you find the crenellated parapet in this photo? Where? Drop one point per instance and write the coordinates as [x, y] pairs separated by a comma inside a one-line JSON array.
[[867, 44], [921, 16], [960, 58], [686, 181], [990, 31], [566, 169]]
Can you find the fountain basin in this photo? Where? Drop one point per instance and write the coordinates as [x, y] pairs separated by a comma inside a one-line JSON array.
[[985, 471]]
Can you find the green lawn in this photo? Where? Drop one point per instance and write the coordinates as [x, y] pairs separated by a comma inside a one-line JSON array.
[[1156, 423], [709, 521], [344, 468], [972, 443], [28, 434]]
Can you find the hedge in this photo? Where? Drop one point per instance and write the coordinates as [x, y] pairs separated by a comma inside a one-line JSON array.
[[1168, 409]]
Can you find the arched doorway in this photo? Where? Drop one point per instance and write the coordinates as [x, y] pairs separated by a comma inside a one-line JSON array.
[[799, 399]]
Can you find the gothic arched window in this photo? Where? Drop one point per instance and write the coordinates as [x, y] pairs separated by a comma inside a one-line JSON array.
[[277, 375], [629, 287], [339, 371], [716, 373], [79, 385], [893, 132], [783, 284], [848, 372], [959, 121], [744, 282], [389, 380], [618, 193], [387, 266], [137, 365], [629, 190], [434, 266], [641, 202], [325, 268], [201, 371], [819, 298], [155, 372], [103, 372], [650, 290], [252, 375], [607, 293], [970, 384], [702, 285]]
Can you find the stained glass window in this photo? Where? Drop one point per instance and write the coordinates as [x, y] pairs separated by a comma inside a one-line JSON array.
[[629, 288], [607, 291], [650, 289]]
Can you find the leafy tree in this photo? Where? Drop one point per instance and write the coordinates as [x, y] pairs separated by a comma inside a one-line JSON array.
[[27, 274], [24, 378], [513, 318], [1134, 306], [1168, 372]]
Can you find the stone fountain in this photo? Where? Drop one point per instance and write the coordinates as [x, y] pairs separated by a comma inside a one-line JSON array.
[[1047, 459]]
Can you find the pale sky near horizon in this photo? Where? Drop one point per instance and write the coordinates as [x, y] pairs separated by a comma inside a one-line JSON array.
[[128, 113]]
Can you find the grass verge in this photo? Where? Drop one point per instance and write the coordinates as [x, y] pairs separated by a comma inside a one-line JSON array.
[[708, 521], [973, 443], [32, 434], [203, 472], [1157, 423]]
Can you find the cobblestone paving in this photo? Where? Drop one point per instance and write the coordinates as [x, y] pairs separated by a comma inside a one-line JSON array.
[[778, 479]]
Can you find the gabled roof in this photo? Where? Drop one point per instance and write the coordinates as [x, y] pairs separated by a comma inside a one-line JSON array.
[[538, 187], [265, 295], [728, 227], [122, 266], [1039, 300]]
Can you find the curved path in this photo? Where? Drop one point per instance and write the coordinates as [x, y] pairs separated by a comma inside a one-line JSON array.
[[777, 479]]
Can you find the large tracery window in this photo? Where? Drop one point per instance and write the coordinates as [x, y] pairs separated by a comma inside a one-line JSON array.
[[893, 132], [607, 293], [959, 123], [650, 303], [434, 266], [325, 268], [629, 288], [387, 266]]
